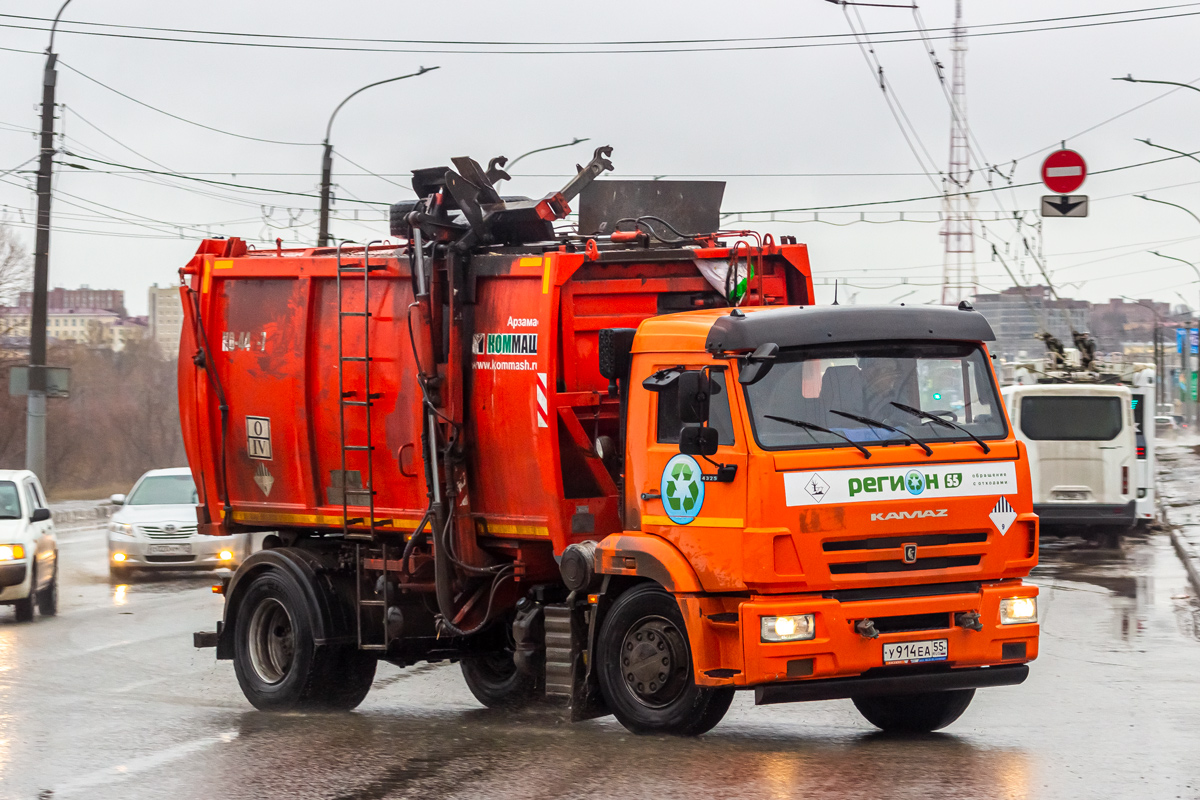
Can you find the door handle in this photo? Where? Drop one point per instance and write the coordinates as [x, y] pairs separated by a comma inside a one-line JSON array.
[[400, 460]]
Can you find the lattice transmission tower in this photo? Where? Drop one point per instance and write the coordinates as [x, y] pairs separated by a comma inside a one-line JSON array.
[[959, 277]]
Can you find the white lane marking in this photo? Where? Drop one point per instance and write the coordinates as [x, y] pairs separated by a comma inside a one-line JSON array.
[[134, 766]]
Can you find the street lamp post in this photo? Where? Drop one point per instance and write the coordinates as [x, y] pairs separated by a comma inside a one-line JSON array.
[[327, 156], [1192, 407], [35, 408], [1159, 359]]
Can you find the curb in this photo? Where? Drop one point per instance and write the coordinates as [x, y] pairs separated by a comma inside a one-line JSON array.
[[1188, 556]]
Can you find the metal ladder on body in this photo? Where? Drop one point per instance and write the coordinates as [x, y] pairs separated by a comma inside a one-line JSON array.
[[351, 400]]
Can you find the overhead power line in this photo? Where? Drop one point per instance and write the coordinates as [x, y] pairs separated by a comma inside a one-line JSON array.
[[952, 194], [613, 47], [205, 180], [132, 99], [574, 43]]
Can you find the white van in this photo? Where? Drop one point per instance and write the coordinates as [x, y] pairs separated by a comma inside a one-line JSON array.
[[1082, 445]]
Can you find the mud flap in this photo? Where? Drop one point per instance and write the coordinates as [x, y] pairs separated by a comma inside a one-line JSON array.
[[569, 677]]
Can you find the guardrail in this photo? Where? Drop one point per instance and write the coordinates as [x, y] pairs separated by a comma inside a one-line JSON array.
[[83, 516]]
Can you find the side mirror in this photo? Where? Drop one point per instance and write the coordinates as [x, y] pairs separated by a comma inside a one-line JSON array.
[[39, 515], [694, 391], [756, 365], [117, 499], [698, 441]]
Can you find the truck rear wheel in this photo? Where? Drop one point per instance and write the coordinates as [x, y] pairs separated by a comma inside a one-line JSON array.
[[496, 682], [914, 713], [278, 665], [645, 668]]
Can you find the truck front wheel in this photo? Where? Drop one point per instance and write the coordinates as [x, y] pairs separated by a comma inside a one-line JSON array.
[[645, 668], [914, 713], [278, 665]]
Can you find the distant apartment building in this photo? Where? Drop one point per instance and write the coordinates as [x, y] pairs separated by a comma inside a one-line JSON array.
[[1018, 314], [84, 316], [82, 298], [166, 319]]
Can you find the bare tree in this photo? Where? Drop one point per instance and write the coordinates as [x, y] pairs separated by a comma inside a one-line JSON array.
[[15, 266]]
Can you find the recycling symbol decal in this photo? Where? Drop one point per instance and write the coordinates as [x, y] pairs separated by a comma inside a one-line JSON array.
[[682, 489]]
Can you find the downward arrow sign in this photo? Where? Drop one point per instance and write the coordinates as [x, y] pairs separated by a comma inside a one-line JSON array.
[[1064, 205]]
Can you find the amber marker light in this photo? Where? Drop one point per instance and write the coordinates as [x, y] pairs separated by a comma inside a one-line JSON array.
[[11, 552], [118, 557], [225, 555]]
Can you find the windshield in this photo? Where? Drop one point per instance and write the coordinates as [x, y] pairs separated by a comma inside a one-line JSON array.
[[164, 490], [10, 501], [1071, 419], [949, 380]]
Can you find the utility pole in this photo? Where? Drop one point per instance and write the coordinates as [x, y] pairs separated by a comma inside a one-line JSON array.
[[958, 271], [327, 156], [35, 413]]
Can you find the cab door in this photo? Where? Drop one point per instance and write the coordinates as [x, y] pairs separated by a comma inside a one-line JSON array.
[[680, 496], [41, 532]]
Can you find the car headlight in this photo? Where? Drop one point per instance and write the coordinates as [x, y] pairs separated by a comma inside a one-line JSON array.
[[121, 527], [1018, 610], [225, 555], [794, 628], [11, 552]]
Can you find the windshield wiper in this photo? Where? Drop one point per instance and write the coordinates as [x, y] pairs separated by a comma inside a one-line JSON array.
[[877, 424], [812, 426], [945, 423]]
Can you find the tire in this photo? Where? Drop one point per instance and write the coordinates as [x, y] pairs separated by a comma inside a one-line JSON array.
[[24, 606], [914, 713], [496, 682], [277, 663], [47, 598], [644, 634]]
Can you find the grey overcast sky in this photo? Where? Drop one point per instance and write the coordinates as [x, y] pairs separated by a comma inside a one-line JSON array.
[[787, 126]]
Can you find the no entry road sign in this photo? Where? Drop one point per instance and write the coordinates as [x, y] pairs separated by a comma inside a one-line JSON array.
[[1063, 171]]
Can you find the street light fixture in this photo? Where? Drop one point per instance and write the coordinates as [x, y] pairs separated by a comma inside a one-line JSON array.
[[327, 158], [1131, 79], [571, 143], [1147, 141], [1165, 203]]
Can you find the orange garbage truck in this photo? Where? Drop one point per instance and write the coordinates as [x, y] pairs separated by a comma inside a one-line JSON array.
[[621, 461]]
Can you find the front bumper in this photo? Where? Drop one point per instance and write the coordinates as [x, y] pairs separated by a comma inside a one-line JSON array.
[[728, 651], [1087, 513], [13, 574], [205, 552]]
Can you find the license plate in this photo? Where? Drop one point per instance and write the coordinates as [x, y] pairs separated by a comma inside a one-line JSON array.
[[1070, 495], [916, 652], [169, 550]]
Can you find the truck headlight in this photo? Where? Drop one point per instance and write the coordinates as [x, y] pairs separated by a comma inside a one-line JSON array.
[[121, 527], [11, 552], [1018, 610], [794, 628]]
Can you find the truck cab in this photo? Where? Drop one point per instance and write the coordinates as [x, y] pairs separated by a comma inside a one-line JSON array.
[[839, 502]]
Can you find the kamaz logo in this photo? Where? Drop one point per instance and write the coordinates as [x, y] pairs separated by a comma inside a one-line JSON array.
[[929, 512]]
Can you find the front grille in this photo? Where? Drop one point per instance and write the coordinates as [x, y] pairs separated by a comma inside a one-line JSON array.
[[900, 592], [160, 532], [912, 622], [936, 562], [170, 559], [921, 540]]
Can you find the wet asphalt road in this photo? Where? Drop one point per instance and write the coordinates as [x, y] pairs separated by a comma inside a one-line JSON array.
[[109, 700]]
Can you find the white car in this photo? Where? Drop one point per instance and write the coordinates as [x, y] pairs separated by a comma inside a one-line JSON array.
[[155, 528], [28, 547]]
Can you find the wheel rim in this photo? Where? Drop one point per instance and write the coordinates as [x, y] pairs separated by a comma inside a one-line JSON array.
[[654, 661], [271, 641]]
